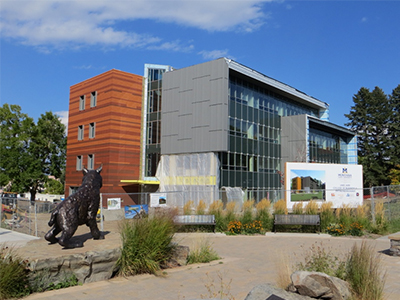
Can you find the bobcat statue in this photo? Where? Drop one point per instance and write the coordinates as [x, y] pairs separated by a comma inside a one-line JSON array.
[[77, 209]]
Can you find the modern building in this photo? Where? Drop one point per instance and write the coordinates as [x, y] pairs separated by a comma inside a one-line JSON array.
[[104, 128], [220, 125]]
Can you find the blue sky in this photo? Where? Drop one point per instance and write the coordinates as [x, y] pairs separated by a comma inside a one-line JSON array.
[[327, 49]]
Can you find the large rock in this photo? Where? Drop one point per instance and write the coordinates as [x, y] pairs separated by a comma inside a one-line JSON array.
[[178, 258], [320, 285], [394, 245], [263, 291], [90, 266]]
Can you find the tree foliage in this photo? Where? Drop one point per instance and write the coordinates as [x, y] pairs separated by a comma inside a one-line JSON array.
[[30, 152], [375, 118]]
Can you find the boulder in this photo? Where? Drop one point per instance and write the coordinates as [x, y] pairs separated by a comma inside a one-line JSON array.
[[178, 258], [263, 291], [320, 285]]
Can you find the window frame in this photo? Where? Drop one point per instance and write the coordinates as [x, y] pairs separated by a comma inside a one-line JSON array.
[[82, 102], [93, 99], [90, 163], [92, 130], [79, 162], [81, 132]]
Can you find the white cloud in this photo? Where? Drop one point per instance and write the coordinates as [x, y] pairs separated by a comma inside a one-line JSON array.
[[63, 116], [214, 54], [78, 23], [364, 19]]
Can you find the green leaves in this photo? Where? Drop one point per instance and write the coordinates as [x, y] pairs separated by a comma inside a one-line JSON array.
[[30, 152], [375, 117]]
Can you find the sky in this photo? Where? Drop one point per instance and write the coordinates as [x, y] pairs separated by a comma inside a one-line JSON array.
[[326, 49]]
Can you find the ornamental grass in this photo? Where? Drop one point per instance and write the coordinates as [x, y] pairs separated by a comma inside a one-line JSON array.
[[188, 208], [216, 208], [311, 208], [280, 207], [13, 274], [146, 244], [201, 208], [247, 208], [298, 208], [263, 214], [364, 272]]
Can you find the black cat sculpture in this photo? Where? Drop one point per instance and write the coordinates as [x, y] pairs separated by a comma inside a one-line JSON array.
[[77, 209]]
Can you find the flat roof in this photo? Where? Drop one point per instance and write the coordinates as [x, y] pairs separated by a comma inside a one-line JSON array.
[[333, 128], [276, 84]]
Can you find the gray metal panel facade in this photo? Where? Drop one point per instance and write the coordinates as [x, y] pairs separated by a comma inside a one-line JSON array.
[[195, 109], [294, 138]]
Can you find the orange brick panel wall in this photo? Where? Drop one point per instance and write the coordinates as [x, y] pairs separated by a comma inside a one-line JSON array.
[[117, 118]]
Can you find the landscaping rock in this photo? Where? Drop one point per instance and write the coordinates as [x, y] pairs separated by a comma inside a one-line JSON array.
[[394, 245], [263, 291], [179, 257], [90, 266], [320, 285]]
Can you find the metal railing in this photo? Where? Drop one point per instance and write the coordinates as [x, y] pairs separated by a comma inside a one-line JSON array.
[[32, 218]]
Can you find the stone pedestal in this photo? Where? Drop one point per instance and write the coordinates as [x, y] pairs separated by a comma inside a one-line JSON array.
[[394, 245]]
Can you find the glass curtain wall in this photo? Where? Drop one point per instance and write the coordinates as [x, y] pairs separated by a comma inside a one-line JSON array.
[[153, 128], [253, 161], [326, 147]]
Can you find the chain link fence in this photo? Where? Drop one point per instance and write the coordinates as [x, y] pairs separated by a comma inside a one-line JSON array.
[[32, 218]]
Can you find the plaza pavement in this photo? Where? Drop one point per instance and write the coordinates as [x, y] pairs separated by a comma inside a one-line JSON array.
[[246, 262]]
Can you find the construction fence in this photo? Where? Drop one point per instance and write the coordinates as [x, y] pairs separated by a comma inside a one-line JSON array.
[[32, 218]]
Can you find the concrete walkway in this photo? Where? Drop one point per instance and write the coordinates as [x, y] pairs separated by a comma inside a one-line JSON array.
[[246, 262]]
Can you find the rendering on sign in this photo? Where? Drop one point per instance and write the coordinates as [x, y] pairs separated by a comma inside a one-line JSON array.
[[136, 211], [336, 183]]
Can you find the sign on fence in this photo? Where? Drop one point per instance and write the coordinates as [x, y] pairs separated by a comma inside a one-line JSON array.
[[337, 183]]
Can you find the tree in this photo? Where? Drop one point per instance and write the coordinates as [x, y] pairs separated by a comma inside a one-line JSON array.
[[370, 118], [394, 127], [53, 186], [30, 152]]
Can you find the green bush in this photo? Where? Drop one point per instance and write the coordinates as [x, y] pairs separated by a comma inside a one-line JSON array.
[[43, 281], [361, 268], [202, 253], [146, 244], [320, 260], [13, 275], [364, 274]]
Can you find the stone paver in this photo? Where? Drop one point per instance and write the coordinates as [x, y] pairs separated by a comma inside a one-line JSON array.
[[246, 262]]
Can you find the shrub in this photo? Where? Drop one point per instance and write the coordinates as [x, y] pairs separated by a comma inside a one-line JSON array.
[[216, 209], [263, 214], [298, 208], [230, 212], [235, 227], [336, 229], [188, 207], [202, 252], [320, 260], [364, 273], [356, 229], [43, 281], [311, 208], [253, 227], [146, 244], [13, 275], [280, 207], [327, 215], [201, 208], [247, 216]]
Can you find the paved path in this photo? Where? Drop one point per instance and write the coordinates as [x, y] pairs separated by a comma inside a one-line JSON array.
[[246, 261]]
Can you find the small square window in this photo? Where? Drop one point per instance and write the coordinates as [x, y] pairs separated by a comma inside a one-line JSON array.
[[82, 102], [91, 161], [80, 132], [79, 163], [93, 99], [92, 130]]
